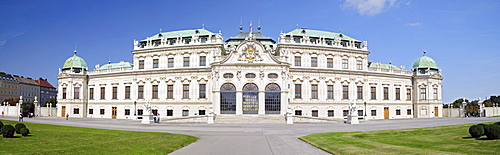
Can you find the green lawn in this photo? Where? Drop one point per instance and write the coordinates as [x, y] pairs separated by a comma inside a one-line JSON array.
[[54, 139], [436, 140]]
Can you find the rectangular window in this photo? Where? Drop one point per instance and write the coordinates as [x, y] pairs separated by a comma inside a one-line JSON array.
[[170, 62], [435, 96], [155, 112], [203, 60], [398, 93], [203, 90], [76, 111], [298, 91], [140, 112], [185, 91], [345, 113], [408, 94], [330, 91], [398, 111], [298, 112], [186, 62], [314, 113], [314, 61], [185, 112], [360, 113], [76, 93], [359, 65], [115, 92], [156, 63], [374, 112], [91, 111], [345, 63], [91, 93], [64, 93], [141, 64], [170, 91], [386, 93], [331, 113], [127, 92], [408, 111], [297, 61], [360, 92], [314, 91], [140, 92], [155, 92], [329, 62], [170, 112], [101, 111], [103, 93], [201, 112], [423, 94], [127, 112], [345, 92]]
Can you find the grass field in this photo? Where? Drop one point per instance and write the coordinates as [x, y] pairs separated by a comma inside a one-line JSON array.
[[54, 139], [436, 140]]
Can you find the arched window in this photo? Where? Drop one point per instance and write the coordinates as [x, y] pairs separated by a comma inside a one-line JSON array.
[[273, 99], [250, 75], [228, 99], [272, 75], [228, 75], [250, 99]]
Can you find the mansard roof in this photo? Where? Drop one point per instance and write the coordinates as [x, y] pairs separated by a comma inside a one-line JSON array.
[[242, 36], [116, 65], [383, 66], [182, 33], [318, 33]]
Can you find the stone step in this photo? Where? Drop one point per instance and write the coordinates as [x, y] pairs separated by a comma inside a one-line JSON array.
[[250, 119]]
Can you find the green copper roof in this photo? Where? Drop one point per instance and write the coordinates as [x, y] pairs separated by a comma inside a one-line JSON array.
[[317, 33], [425, 62], [183, 33], [240, 37], [116, 65], [75, 62], [383, 66]]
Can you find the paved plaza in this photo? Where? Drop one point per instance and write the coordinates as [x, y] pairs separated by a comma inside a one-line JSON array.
[[252, 138]]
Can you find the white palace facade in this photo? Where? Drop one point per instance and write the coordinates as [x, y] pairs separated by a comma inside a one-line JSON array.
[[189, 73]]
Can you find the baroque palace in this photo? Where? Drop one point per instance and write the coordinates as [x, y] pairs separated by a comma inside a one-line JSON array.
[[310, 73]]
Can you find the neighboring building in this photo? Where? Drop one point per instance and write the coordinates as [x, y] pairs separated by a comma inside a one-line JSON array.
[[9, 87], [314, 73], [28, 88], [47, 91]]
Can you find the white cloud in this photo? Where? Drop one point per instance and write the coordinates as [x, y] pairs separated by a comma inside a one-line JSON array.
[[6, 36], [3, 42], [413, 24], [369, 7]]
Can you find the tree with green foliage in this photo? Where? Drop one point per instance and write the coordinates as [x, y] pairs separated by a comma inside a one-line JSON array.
[[457, 103], [51, 100]]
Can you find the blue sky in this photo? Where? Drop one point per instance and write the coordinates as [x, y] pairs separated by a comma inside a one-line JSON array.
[[36, 37]]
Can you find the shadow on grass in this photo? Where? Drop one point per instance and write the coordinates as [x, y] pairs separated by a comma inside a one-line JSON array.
[[13, 137], [468, 137], [484, 138]]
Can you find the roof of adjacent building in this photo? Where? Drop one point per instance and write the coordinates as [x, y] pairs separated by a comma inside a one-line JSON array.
[[24, 80], [425, 62], [240, 37], [318, 33], [182, 33], [384, 66], [116, 65], [44, 83], [8, 77], [75, 62]]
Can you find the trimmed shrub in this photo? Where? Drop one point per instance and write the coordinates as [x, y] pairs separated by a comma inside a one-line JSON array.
[[1, 124], [492, 131], [497, 123], [24, 131], [18, 127], [476, 131], [8, 131]]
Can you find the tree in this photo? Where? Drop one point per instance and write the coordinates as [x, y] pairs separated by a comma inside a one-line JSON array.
[[51, 100], [457, 103], [495, 99], [11, 101], [488, 103]]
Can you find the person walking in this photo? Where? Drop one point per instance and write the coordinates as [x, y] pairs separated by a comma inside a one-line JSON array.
[[2, 113], [21, 117], [67, 116]]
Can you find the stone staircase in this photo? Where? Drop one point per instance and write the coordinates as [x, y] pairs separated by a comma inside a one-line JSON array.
[[250, 119]]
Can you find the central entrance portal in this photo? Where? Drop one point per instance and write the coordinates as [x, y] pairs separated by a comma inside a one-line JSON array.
[[250, 99]]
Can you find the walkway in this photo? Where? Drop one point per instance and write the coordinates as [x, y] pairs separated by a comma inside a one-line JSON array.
[[252, 138]]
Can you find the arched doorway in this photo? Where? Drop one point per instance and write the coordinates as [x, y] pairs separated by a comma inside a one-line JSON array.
[[250, 99], [273, 99], [228, 99]]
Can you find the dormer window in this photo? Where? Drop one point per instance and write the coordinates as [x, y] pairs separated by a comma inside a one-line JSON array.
[[250, 75], [228, 75]]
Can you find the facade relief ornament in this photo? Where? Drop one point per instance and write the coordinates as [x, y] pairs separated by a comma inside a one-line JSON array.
[[249, 53]]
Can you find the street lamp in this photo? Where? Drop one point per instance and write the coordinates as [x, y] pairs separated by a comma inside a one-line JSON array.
[[135, 109], [365, 109]]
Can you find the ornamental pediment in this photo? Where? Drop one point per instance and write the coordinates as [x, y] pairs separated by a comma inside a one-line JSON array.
[[250, 52]]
